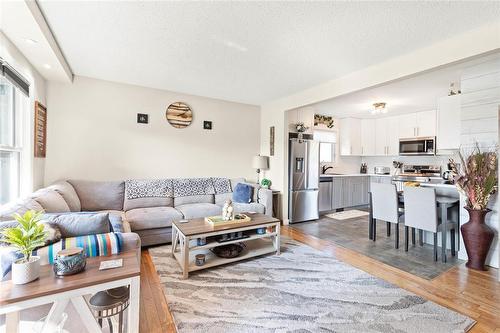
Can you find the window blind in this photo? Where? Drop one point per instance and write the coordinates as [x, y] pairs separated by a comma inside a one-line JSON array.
[[14, 77]]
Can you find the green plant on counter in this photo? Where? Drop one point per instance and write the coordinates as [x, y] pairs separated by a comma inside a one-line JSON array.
[[28, 235]]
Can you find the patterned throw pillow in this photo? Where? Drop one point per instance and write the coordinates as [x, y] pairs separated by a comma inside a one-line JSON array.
[[222, 185], [184, 187], [159, 188]]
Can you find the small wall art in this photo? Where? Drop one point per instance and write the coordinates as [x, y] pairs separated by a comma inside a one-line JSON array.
[[142, 118], [207, 124], [179, 115], [40, 130], [327, 121], [271, 141]]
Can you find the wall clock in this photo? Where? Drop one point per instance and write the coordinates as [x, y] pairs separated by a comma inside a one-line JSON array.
[[179, 115]]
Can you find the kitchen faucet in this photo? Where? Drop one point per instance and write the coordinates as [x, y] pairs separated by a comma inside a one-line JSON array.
[[324, 168]]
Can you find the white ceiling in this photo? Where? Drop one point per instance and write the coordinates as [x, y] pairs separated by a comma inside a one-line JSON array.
[[32, 37], [419, 93], [250, 52]]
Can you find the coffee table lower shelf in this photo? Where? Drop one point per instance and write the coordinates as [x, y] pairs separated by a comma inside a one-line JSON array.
[[254, 248]]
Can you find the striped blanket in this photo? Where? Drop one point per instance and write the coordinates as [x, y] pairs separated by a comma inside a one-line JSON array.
[[93, 245]]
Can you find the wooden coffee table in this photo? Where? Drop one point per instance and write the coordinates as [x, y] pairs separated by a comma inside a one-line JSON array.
[[185, 235], [60, 291]]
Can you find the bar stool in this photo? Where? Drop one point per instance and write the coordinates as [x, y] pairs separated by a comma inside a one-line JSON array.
[[109, 303]]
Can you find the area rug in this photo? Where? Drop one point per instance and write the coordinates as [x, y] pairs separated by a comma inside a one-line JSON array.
[[302, 290], [347, 214]]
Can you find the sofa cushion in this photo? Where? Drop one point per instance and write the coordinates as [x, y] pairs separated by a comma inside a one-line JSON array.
[[67, 191], [192, 199], [20, 206], [130, 204], [95, 195], [152, 217], [249, 207], [243, 193], [195, 210], [51, 201], [220, 199], [255, 186], [78, 224]]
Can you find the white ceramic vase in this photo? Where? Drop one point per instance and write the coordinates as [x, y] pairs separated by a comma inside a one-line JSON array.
[[26, 272]]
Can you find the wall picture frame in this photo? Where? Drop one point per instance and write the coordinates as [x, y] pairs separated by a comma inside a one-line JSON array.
[[271, 141], [40, 130], [142, 118]]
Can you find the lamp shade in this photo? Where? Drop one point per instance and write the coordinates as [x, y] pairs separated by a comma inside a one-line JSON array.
[[260, 162]]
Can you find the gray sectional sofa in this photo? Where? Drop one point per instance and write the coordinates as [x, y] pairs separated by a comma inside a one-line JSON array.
[[147, 207]]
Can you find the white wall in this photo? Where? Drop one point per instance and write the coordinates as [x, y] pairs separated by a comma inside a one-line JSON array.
[[373, 161], [93, 134], [32, 173], [479, 123]]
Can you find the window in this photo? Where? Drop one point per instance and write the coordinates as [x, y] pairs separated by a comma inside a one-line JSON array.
[[327, 145], [10, 146]]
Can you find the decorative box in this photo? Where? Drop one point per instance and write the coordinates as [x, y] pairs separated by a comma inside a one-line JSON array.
[[69, 261]]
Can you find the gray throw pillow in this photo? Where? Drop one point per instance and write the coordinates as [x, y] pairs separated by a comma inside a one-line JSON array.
[[74, 225], [53, 233]]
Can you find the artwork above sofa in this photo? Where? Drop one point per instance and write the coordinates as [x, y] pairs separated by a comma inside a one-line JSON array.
[[147, 207]]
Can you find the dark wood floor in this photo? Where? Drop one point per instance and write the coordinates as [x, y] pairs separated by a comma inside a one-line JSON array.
[[353, 234], [473, 293]]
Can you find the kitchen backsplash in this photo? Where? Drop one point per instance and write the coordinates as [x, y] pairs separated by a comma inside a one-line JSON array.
[[441, 160]]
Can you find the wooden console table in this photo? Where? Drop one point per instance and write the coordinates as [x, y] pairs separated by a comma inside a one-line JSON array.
[[60, 291]]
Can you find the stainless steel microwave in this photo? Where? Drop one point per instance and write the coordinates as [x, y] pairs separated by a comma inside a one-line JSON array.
[[418, 146]]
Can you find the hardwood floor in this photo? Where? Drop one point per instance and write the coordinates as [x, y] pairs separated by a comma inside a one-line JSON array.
[[473, 293]]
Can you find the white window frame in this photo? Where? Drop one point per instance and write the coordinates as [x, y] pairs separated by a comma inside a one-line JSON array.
[[322, 137], [17, 143]]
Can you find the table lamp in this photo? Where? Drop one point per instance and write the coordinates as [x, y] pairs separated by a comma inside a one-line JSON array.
[[259, 163]]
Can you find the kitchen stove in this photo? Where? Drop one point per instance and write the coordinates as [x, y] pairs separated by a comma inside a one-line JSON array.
[[419, 174]]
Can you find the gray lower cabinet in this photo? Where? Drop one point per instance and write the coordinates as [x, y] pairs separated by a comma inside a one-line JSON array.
[[338, 192], [350, 191], [325, 196]]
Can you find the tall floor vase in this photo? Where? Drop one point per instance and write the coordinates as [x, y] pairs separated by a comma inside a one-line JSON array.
[[478, 237]]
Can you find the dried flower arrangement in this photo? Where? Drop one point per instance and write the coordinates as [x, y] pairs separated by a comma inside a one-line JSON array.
[[477, 179]]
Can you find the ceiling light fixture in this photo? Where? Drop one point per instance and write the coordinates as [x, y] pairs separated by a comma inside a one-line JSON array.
[[30, 41], [47, 66], [379, 108]]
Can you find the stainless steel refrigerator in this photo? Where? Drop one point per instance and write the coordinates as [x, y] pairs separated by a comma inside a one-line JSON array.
[[303, 182]]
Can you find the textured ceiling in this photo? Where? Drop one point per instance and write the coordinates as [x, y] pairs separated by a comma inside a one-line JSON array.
[[250, 52]]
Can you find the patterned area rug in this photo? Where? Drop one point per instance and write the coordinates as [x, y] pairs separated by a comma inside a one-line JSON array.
[[302, 290], [347, 214]]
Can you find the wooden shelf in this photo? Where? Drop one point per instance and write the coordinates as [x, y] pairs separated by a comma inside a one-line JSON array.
[[254, 247], [215, 243]]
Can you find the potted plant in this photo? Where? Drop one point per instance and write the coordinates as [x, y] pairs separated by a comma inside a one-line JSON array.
[[477, 180], [266, 183], [26, 237]]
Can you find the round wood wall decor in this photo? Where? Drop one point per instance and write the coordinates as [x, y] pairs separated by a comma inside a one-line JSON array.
[[179, 115]]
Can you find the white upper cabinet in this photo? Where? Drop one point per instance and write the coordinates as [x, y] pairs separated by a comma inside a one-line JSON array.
[[426, 123], [381, 136], [417, 124], [392, 136], [368, 137], [407, 125], [387, 136], [448, 122], [350, 137]]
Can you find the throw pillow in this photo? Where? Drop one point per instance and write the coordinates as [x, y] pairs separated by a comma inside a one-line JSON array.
[[243, 193], [75, 224], [53, 234]]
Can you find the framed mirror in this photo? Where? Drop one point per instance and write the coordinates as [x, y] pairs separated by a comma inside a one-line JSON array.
[[179, 115]]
